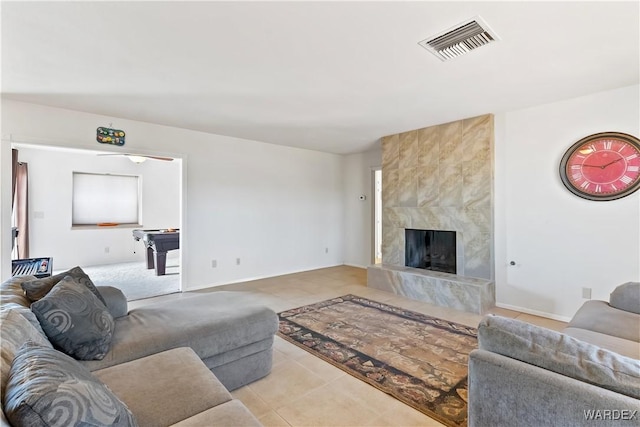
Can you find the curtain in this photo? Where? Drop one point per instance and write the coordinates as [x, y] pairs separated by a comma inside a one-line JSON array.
[[21, 208], [14, 171]]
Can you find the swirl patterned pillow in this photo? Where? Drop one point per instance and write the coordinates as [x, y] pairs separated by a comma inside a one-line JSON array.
[[49, 388], [37, 289], [75, 321]]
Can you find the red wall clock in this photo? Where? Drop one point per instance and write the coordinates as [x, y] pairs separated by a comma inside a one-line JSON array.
[[602, 166]]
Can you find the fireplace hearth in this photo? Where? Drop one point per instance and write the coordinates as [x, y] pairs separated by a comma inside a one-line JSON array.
[[431, 250]]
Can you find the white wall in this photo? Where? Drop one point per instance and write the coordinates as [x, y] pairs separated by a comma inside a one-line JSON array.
[[50, 195], [358, 222], [560, 242], [276, 208]]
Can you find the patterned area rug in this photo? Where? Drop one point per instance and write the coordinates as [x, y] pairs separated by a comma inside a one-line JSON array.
[[418, 359]]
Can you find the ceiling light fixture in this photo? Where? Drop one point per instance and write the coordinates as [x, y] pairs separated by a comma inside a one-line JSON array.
[[460, 39], [137, 159]]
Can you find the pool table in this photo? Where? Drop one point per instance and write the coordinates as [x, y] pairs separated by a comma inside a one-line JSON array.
[[158, 243]]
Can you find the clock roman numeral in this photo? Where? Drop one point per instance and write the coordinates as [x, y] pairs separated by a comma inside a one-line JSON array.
[[633, 168], [576, 167], [607, 144], [585, 185], [576, 176], [626, 179], [631, 157], [598, 189], [586, 150]]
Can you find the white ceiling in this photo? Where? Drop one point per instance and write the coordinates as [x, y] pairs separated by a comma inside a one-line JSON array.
[[328, 76]]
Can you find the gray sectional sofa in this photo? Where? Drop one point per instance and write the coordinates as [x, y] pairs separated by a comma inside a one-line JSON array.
[[170, 363], [586, 375]]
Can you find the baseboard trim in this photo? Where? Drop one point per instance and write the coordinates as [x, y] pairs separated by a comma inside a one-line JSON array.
[[534, 312], [248, 279], [364, 267]]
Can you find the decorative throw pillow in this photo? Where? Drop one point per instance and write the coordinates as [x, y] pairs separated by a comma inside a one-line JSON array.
[[75, 321], [37, 289], [626, 297], [49, 388]]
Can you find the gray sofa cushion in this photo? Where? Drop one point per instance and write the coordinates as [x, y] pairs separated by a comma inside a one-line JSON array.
[[11, 291], [626, 297], [38, 288], [181, 386], [239, 367], [26, 313], [209, 323], [48, 388], [74, 320], [15, 330], [598, 316], [229, 414], [560, 353]]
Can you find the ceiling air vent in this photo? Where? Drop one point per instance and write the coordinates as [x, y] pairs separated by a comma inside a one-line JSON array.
[[461, 39]]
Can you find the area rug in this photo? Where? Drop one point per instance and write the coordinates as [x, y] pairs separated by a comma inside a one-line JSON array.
[[418, 359]]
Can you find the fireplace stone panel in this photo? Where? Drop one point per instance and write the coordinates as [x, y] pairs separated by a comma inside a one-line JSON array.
[[448, 186], [441, 178], [448, 290]]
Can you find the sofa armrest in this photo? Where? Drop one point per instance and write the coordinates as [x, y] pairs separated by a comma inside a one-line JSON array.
[[626, 297], [115, 299], [599, 316], [508, 392], [560, 353]]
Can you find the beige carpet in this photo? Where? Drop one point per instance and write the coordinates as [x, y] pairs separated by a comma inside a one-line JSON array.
[[134, 280], [418, 359]]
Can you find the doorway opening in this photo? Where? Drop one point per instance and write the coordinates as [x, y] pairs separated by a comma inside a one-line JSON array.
[[66, 184], [377, 216]]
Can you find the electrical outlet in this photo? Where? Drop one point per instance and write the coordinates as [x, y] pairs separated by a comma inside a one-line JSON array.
[[237, 261], [214, 263], [586, 293]]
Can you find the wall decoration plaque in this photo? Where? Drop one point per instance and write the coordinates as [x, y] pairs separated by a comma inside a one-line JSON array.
[[110, 136]]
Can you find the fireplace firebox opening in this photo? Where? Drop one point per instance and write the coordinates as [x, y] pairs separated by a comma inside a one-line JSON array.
[[431, 250]]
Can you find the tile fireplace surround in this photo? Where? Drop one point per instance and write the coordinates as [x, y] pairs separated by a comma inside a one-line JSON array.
[[440, 178], [447, 290]]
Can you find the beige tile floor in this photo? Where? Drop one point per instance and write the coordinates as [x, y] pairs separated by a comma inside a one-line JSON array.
[[303, 390]]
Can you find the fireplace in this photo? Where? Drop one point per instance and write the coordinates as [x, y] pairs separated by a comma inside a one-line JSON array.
[[430, 250]]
